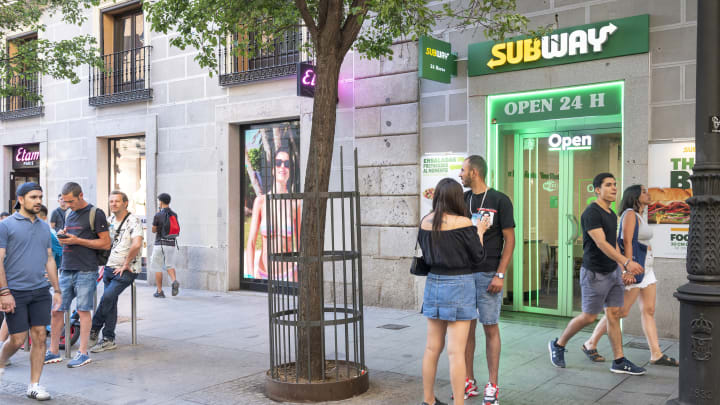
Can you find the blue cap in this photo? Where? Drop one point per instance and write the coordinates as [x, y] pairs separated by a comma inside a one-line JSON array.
[[24, 189]]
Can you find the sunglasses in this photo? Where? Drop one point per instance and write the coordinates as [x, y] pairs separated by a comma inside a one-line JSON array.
[[280, 163]]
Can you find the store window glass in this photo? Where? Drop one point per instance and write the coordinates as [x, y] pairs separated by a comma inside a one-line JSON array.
[[272, 162]]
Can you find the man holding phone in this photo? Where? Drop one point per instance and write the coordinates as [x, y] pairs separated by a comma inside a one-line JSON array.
[[25, 257]]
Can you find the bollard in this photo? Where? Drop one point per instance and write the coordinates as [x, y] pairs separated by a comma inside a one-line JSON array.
[[67, 335], [133, 312]]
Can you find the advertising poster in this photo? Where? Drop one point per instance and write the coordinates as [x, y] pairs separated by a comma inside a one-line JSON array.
[[436, 167], [670, 166], [272, 163]]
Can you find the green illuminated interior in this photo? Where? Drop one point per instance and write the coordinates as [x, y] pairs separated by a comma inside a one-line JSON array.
[[550, 189]]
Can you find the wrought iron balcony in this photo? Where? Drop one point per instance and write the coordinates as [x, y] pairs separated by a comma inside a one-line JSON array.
[[30, 105], [265, 64], [125, 79]]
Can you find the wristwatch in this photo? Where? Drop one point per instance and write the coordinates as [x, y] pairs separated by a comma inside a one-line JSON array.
[[500, 275]]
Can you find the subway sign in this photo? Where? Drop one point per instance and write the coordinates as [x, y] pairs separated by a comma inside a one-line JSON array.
[[607, 39], [436, 61]]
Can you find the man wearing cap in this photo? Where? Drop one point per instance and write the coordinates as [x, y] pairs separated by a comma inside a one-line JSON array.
[[25, 258]]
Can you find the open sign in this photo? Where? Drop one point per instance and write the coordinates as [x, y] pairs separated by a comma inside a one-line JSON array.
[[577, 142]]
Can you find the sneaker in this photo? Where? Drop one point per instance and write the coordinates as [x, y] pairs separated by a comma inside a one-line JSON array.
[[627, 367], [490, 396], [2, 371], [51, 358], [159, 294], [94, 335], [471, 389], [80, 360], [557, 354], [106, 344], [37, 391], [437, 402], [175, 288]]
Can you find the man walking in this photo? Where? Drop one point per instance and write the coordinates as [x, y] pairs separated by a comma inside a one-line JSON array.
[[165, 247], [123, 266], [57, 219], [85, 233], [600, 277], [25, 258], [485, 203]]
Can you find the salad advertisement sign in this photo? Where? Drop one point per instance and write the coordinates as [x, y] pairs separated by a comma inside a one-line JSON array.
[[669, 187], [436, 167]]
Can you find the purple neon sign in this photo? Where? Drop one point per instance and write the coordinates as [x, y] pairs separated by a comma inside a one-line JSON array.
[[306, 78]]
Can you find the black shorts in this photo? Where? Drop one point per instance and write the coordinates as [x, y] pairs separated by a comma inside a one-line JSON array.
[[32, 308]]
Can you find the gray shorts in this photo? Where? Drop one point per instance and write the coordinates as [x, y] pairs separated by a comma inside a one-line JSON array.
[[163, 258], [601, 290]]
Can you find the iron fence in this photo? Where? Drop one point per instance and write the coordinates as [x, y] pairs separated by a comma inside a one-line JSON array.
[[28, 104], [125, 77], [278, 60]]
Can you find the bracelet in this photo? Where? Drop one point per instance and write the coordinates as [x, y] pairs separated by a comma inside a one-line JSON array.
[[626, 263], [4, 288]]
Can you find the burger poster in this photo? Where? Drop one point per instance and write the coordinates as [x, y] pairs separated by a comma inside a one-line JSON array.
[[670, 166], [436, 167]]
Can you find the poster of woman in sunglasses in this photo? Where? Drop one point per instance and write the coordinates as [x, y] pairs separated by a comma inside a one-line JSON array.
[[272, 165]]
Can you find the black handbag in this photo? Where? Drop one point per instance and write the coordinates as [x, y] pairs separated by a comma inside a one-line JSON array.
[[419, 267]]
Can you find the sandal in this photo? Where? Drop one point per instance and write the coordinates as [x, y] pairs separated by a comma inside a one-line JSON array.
[[665, 361], [593, 355]]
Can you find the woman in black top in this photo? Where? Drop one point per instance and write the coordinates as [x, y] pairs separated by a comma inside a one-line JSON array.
[[452, 247]]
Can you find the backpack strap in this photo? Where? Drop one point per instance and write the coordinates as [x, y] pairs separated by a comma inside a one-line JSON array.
[[93, 210]]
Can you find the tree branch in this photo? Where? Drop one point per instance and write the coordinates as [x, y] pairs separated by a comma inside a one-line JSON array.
[[309, 22], [322, 14], [352, 25]]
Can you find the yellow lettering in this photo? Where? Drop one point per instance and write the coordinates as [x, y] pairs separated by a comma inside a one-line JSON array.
[[497, 52], [428, 51], [533, 49], [514, 57]]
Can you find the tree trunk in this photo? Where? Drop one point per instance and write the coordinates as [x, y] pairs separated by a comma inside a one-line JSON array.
[[311, 353]]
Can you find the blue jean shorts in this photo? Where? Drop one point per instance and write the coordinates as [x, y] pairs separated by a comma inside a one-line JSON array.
[[80, 284], [488, 304], [449, 298]]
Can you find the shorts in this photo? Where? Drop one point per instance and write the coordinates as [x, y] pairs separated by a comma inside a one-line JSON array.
[[488, 304], [649, 277], [601, 290], [32, 308], [80, 284], [163, 258], [450, 298]]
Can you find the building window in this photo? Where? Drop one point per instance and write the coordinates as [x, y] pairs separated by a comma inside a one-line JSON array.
[[126, 59], [25, 87], [280, 61]]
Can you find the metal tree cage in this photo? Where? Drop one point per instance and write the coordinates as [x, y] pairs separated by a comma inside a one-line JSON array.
[[342, 368]]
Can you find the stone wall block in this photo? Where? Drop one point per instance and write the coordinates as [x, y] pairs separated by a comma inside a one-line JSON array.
[[367, 122], [458, 107], [389, 210], [384, 90], [404, 59], [398, 149], [187, 89], [690, 75], [399, 119], [673, 45], [169, 116], [662, 12], [672, 122], [433, 109], [370, 240], [365, 67], [450, 138], [168, 69], [398, 242], [399, 180], [369, 178], [665, 84]]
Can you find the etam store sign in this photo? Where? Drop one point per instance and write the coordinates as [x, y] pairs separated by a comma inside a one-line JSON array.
[[607, 39]]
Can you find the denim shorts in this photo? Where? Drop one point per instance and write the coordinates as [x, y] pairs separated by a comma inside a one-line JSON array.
[[488, 304], [601, 290], [80, 284], [449, 298]]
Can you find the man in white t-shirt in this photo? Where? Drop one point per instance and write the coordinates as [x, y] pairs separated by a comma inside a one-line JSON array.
[[123, 266]]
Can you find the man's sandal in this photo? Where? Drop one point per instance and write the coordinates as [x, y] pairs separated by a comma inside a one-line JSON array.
[[593, 355], [665, 361]]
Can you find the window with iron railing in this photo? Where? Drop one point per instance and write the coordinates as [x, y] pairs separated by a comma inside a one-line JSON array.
[[24, 88], [280, 61]]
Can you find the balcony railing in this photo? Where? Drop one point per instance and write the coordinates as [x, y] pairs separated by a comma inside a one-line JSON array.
[[125, 79], [265, 64], [29, 105]]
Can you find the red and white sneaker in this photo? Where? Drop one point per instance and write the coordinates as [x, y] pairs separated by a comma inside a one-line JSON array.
[[490, 396], [471, 389]]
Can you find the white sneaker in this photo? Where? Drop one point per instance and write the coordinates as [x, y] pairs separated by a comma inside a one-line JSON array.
[[2, 371], [38, 392]]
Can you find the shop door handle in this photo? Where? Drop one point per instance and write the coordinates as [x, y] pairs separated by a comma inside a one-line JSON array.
[[575, 224]]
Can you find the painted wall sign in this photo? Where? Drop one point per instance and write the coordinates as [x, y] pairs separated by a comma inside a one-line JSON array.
[[583, 101], [607, 39], [26, 157], [437, 62], [306, 80], [578, 142]]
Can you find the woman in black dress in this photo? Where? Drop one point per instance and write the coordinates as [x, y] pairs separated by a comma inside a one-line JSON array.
[[452, 247]]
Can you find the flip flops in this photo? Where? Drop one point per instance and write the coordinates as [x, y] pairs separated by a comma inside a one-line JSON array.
[[593, 355], [665, 361]]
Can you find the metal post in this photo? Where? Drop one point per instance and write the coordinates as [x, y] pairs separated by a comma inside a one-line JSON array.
[[700, 297], [68, 338], [133, 312]]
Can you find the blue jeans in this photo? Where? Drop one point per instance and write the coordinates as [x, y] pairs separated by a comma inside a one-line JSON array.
[[106, 313]]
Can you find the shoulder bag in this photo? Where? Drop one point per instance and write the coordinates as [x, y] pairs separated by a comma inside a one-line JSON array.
[[419, 267], [639, 250]]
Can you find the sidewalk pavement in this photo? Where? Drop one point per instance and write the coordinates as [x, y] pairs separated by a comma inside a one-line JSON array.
[[212, 349]]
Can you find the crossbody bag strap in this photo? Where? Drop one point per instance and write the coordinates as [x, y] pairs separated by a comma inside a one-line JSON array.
[[117, 234]]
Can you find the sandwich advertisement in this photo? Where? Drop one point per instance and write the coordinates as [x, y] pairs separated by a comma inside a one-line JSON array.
[[436, 167], [670, 166]]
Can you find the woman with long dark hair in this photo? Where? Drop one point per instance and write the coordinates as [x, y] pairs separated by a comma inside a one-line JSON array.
[[634, 205], [452, 247]]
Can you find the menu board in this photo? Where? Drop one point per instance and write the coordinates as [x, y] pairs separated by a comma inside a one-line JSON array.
[[670, 166], [436, 167]]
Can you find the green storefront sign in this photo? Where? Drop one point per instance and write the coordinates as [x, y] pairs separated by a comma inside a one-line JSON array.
[[585, 101], [607, 39], [437, 62]]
